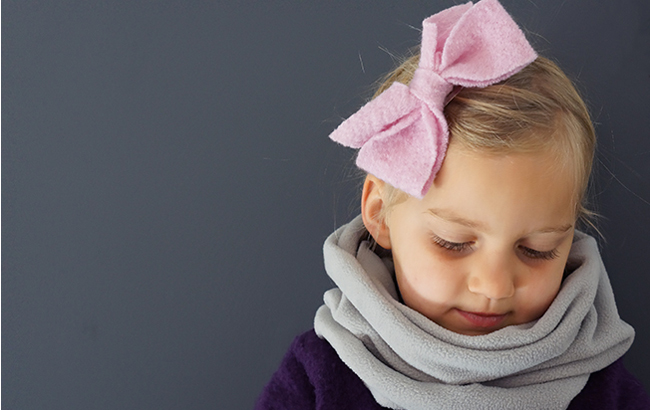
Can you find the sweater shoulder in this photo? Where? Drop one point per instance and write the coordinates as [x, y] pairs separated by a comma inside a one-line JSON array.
[[612, 388], [312, 376]]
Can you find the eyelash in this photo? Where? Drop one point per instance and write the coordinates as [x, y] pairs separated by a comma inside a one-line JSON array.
[[452, 246], [533, 254], [464, 246]]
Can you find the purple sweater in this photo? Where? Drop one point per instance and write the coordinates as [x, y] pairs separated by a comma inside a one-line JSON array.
[[312, 376]]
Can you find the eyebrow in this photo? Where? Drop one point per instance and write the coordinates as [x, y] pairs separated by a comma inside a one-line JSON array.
[[559, 229], [450, 216]]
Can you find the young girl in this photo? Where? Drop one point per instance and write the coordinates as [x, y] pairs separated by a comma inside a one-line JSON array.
[[464, 283]]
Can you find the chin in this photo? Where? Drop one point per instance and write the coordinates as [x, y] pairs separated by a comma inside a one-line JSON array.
[[475, 332]]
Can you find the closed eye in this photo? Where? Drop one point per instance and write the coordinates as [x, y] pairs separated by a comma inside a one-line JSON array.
[[542, 255], [452, 246]]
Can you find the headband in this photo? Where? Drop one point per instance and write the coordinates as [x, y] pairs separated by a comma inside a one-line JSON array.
[[402, 134]]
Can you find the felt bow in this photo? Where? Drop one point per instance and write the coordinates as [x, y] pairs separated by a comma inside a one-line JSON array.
[[403, 133]]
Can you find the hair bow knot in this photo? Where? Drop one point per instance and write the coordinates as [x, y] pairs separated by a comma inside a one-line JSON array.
[[402, 134]]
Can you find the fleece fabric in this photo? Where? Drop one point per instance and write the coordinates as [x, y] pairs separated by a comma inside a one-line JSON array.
[[313, 377], [402, 134], [409, 362]]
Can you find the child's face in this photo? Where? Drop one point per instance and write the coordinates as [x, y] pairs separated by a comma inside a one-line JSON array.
[[487, 246]]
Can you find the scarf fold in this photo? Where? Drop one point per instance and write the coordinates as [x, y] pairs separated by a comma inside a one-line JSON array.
[[409, 362]]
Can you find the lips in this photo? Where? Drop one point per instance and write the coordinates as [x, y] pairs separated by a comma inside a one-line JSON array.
[[482, 320]]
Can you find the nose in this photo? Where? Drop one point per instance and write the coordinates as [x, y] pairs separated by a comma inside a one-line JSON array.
[[493, 277]]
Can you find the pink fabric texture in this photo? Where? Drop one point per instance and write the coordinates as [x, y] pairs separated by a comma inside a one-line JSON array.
[[402, 134]]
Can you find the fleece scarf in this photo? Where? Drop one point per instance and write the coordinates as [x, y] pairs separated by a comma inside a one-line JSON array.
[[409, 362]]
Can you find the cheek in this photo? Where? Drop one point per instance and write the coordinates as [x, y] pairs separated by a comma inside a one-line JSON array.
[[426, 282], [540, 291]]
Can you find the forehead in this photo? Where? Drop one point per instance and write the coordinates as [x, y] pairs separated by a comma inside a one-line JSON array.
[[524, 190]]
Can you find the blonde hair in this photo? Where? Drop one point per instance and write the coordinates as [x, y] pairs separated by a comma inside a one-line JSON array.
[[534, 110]]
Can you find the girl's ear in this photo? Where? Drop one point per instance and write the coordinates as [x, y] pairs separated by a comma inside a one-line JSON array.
[[372, 203]]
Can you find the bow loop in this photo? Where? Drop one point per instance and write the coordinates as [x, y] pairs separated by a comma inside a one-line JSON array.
[[405, 150], [376, 117], [485, 46], [435, 32]]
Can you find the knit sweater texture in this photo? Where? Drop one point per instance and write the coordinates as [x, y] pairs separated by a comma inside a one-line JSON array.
[[312, 376]]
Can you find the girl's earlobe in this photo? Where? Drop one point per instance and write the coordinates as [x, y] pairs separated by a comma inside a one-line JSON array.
[[372, 205]]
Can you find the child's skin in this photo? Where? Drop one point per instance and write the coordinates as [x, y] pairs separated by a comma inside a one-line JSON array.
[[487, 246]]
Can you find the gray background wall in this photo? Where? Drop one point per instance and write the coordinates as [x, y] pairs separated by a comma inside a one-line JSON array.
[[167, 181]]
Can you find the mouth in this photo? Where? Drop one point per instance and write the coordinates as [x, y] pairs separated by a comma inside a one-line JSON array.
[[482, 320]]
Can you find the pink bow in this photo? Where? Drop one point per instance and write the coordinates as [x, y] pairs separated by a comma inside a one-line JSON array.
[[403, 133]]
